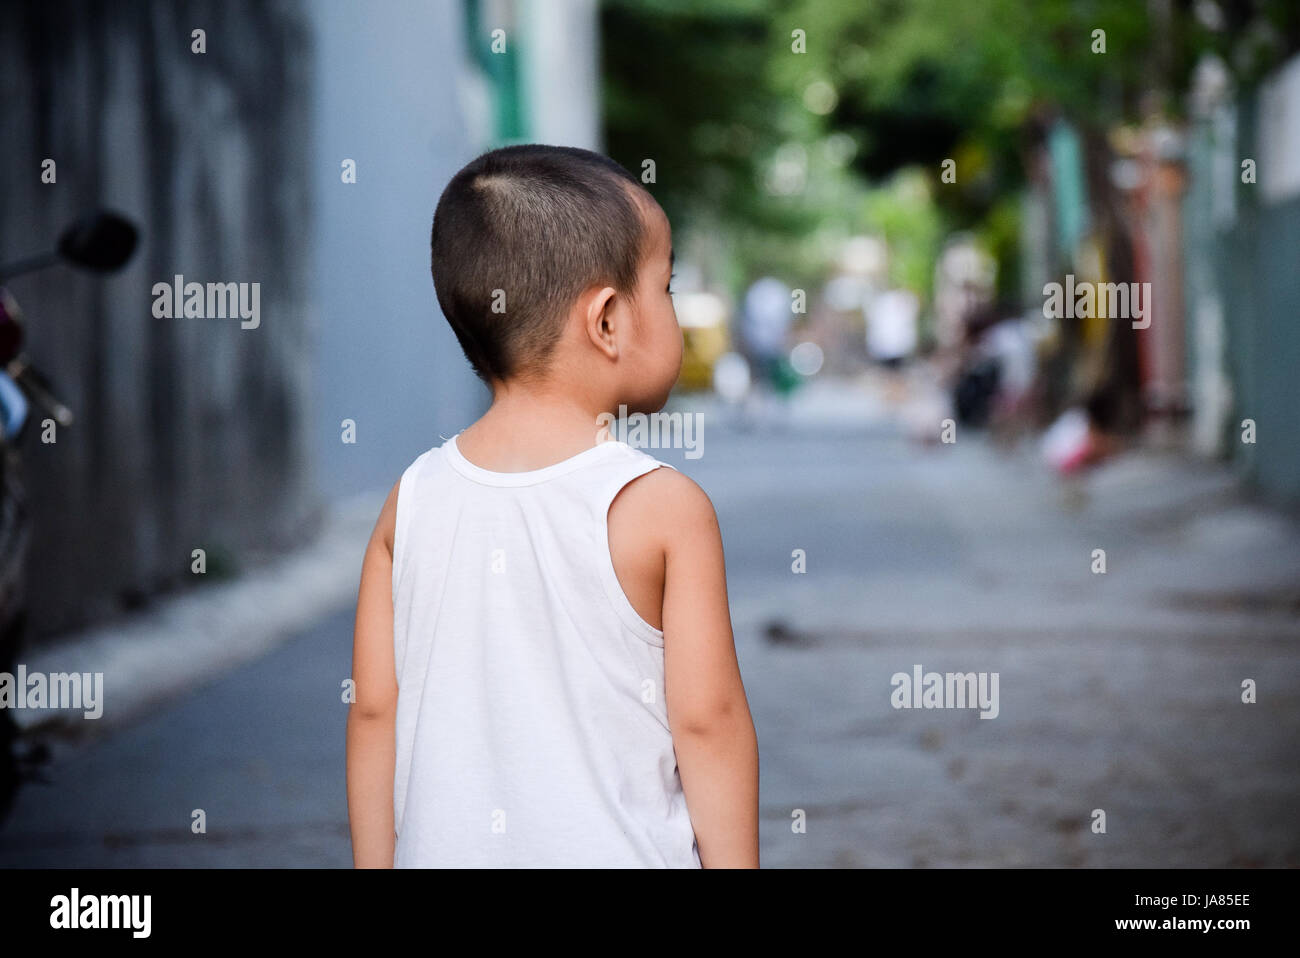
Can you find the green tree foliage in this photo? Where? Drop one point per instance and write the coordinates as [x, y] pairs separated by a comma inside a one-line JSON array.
[[685, 86], [712, 91]]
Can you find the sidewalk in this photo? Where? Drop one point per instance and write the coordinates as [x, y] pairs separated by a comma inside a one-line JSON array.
[[180, 642]]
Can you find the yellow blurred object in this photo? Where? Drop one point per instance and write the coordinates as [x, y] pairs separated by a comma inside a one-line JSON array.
[[703, 346], [703, 319]]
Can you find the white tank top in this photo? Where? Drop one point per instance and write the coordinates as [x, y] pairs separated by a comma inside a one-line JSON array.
[[531, 724]]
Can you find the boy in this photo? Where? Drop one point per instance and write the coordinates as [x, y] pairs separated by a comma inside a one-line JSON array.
[[544, 665]]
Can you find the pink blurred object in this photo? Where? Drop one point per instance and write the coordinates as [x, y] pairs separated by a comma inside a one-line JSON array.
[[1068, 442]]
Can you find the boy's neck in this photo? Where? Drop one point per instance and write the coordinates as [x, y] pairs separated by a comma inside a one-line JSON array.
[[532, 426]]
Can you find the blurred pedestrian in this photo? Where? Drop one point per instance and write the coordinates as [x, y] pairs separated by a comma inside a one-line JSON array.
[[766, 317]]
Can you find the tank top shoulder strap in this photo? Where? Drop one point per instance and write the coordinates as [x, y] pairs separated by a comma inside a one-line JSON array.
[[605, 479]]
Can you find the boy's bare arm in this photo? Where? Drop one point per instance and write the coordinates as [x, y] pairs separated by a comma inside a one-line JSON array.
[[713, 732], [371, 746]]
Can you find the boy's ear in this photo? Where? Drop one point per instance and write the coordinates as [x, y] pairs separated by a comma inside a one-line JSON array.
[[600, 319]]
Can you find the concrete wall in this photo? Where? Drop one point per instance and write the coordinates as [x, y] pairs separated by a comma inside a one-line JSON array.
[[192, 433], [395, 93]]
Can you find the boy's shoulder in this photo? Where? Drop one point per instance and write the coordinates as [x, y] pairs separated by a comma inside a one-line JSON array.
[[665, 495]]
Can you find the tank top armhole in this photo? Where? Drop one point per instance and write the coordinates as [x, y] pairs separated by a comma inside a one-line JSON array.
[[609, 578]]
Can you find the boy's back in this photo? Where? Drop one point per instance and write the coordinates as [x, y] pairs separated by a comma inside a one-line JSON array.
[[532, 727]]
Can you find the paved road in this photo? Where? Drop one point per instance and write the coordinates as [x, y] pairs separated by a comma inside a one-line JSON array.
[[259, 750], [1117, 691]]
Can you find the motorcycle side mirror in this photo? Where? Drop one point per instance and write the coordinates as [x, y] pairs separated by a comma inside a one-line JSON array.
[[102, 241]]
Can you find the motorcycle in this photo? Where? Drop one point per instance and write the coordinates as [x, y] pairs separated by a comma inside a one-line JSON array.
[[100, 242]]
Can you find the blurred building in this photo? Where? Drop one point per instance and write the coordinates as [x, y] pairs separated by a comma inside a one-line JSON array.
[[1242, 244], [1209, 216]]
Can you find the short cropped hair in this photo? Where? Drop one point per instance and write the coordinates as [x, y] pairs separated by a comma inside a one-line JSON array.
[[518, 235]]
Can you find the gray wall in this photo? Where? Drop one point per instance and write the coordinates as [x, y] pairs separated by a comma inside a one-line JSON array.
[[191, 432], [392, 92]]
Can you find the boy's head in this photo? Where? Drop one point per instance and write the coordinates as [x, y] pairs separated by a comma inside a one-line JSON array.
[[547, 255]]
